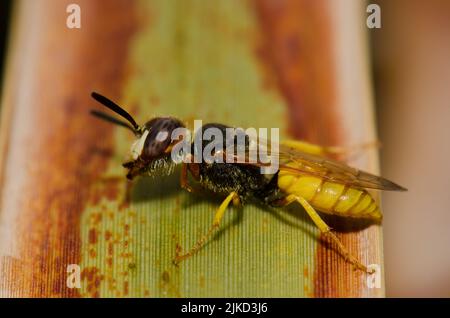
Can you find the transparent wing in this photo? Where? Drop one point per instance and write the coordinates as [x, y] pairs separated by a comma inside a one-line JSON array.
[[331, 170], [298, 162]]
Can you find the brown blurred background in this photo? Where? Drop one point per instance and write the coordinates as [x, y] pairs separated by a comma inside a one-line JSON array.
[[411, 71], [411, 62]]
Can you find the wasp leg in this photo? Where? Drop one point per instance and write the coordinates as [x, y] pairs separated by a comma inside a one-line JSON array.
[[332, 150], [184, 181], [233, 196], [325, 229]]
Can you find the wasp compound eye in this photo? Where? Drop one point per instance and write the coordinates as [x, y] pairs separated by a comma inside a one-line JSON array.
[[159, 136]]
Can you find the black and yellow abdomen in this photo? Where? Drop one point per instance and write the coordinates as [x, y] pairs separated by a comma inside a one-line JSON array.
[[330, 197]]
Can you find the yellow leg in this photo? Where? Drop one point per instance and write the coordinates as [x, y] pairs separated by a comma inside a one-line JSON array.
[[233, 196], [328, 151], [324, 228]]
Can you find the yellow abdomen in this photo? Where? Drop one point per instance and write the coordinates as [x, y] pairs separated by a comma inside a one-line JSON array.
[[330, 197]]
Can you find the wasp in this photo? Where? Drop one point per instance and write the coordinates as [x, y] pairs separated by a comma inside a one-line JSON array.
[[306, 175]]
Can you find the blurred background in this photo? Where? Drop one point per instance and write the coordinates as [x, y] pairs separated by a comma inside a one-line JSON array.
[[410, 60], [411, 68]]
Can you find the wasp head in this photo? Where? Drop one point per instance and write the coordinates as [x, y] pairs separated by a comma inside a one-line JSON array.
[[151, 151]]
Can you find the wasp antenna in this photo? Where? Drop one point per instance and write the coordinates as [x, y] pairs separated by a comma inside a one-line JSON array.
[[111, 119], [115, 108]]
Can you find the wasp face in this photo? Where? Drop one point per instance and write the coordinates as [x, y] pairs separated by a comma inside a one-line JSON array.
[[151, 151]]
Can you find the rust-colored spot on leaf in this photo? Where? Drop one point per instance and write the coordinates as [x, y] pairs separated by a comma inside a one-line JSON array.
[[168, 284], [110, 249], [93, 236], [126, 286], [108, 235], [92, 253], [93, 279], [165, 277], [126, 228]]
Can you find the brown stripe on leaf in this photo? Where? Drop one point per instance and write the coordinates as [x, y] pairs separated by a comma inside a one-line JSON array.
[[61, 149], [296, 50]]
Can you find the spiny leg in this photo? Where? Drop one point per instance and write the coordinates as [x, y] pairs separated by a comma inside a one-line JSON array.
[[325, 229], [233, 196]]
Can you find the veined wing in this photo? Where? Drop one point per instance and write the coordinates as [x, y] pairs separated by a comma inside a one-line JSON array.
[[298, 162]]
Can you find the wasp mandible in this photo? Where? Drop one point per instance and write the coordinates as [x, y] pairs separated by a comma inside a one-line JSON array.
[[305, 175]]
